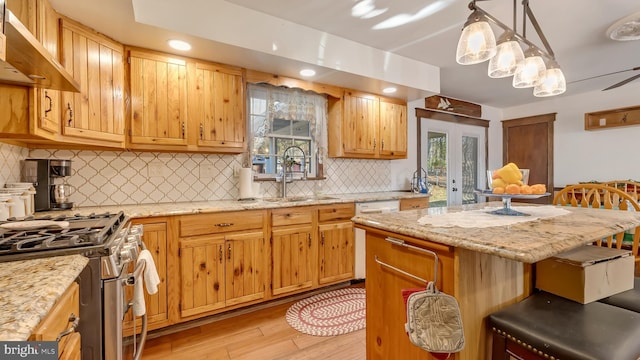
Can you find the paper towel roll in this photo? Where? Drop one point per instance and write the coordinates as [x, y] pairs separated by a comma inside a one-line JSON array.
[[246, 183]]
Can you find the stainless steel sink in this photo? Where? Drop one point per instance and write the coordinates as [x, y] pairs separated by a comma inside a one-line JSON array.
[[295, 199]]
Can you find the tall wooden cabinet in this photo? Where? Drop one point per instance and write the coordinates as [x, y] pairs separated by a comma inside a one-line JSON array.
[[155, 237], [218, 107], [95, 114], [158, 97], [223, 261], [367, 126]]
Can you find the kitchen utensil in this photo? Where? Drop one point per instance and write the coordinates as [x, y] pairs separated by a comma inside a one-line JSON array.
[[34, 224]]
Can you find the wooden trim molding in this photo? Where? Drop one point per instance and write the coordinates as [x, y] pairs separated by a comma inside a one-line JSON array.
[[450, 117]]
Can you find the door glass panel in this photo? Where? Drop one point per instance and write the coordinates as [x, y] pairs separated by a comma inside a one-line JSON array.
[[437, 168], [469, 169]]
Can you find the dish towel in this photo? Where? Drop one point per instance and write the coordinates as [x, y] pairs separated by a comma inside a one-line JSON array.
[[149, 277]]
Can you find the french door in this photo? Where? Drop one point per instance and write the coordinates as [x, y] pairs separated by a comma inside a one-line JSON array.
[[454, 158]]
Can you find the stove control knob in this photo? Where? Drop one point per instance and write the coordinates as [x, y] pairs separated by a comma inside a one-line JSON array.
[[128, 252]]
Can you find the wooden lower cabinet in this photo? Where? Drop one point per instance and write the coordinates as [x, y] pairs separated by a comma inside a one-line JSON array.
[[155, 238], [220, 271], [58, 320], [335, 252], [481, 283], [293, 254]]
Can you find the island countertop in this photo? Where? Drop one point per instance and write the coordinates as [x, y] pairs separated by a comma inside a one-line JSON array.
[[528, 242], [30, 288]]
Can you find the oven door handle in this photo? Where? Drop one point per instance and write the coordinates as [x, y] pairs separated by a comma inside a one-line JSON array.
[[75, 321]]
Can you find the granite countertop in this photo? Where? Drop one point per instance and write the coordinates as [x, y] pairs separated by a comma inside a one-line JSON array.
[[197, 207], [30, 288], [528, 242]]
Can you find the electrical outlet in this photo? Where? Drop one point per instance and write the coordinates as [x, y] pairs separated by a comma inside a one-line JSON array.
[[207, 171], [155, 169]]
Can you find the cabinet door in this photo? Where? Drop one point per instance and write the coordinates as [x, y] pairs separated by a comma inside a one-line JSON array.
[[158, 99], [336, 252], [386, 312], [393, 129], [48, 106], [220, 107], [202, 275], [42, 21], [155, 238], [246, 268], [96, 113], [293, 253], [359, 132]]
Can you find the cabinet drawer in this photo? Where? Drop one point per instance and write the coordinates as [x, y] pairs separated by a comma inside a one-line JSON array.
[[58, 318], [414, 203], [291, 216], [336, 212], [203, 224]]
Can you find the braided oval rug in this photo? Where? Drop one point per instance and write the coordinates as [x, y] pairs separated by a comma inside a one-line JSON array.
[[332, 313]]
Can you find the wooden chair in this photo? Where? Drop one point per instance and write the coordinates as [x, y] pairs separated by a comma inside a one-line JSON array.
[[606, 197], [629, 186]]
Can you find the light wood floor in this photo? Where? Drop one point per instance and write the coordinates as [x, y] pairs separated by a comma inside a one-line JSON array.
[[261, 335]]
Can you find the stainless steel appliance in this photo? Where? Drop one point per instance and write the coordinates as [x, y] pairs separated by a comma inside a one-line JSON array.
[[49, 178], [111, 244]]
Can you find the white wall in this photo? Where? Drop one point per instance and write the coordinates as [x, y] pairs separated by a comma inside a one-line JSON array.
[[581, 155]]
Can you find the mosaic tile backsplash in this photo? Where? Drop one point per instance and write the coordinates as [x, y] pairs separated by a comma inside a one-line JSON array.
[[115, 178]]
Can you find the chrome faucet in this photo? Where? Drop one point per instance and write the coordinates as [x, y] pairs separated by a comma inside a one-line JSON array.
[[283, 188]]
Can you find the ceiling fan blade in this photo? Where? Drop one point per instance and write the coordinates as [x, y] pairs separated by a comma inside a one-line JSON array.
[[622, 82]]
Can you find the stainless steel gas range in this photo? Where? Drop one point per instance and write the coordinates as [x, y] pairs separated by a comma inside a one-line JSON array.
[[110, 243]]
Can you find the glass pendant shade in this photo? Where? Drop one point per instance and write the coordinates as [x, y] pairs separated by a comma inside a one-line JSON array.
[[477, 42], [508, 55], [552, 83], [530, 70]]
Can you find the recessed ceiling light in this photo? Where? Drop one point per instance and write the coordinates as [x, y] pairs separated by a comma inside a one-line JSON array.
[[389, 90], [307, 72], [179, 45]]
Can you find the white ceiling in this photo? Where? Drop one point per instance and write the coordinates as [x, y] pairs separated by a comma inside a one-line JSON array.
[[281, 36]]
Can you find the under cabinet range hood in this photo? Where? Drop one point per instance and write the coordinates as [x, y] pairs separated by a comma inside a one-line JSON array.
[[24, 61]]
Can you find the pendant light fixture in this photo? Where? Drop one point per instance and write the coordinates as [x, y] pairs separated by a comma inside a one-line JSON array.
[[477, 42], [530, 70], [552, 83], [506, 59], [508, 56]]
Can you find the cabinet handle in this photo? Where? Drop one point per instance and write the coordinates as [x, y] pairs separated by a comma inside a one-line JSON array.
[[183, 129], [201, 131], [229, 252], [221, 256], [70, 121], [74, 320], [48, 98], [224, 224], [309, 239], [382, 144], [322, 238], [374, 144]]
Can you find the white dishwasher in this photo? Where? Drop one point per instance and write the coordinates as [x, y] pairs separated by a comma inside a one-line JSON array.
[[369, 207]]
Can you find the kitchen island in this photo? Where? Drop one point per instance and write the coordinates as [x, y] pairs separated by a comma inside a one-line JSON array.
[[486, 266]]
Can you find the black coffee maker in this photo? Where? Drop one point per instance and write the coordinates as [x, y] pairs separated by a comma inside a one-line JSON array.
[[49, 179]]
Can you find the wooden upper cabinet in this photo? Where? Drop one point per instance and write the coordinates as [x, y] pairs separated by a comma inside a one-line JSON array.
[[367, 126], [95, 115], [218, 107], [393, 129], [158, 96], [42, 21], [360, 135]]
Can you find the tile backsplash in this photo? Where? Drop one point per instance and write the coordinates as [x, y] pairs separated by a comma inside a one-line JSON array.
[[119, 178]]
